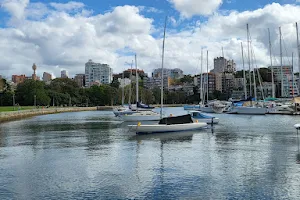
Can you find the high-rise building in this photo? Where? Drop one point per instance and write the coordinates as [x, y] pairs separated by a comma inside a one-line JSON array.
[[18, 78], [80, 80], [219, 78], [64, 74], [221, 65], [97, 72], [47, 77], [207, 78], [290, 87]]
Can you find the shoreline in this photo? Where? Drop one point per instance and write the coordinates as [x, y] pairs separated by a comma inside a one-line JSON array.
[[17, 115]]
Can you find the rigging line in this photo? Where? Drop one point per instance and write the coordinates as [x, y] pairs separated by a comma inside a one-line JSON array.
[[255, 61], [286, 57]]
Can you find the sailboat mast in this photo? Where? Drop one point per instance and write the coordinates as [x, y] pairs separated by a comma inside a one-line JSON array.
[[207, 75], [137, 80], [298, 49], [254, 79], [293, 74], [249, 62], [162, 72], [123, 85], [129, 98], [271, 64], [281, 71], [201, 78], [244, 74]]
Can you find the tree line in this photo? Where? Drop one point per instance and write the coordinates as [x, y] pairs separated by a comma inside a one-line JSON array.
[[66, 92]]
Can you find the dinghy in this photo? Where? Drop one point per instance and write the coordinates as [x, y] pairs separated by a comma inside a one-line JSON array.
[[200, 117], [169, 124]]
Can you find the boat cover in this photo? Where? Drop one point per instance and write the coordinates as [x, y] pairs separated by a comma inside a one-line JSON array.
[[141, 105], [182, 119]]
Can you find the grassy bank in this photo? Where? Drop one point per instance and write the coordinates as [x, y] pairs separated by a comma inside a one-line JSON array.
[[16, 108], [20, 114]]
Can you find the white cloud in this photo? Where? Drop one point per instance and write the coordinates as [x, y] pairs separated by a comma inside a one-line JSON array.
[[15, 7], [188, 8], [53, 38], [72, 5]]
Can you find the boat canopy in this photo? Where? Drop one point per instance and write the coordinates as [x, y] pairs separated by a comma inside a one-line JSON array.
[[183, 119], [141, 105]]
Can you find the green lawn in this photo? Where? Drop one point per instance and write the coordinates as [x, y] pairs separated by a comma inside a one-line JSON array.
[[11, 108]]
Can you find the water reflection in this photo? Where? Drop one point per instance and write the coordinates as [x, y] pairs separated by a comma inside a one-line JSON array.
[[94, 156]]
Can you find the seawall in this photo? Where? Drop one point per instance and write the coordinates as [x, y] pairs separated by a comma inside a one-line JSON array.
[[14, 115]]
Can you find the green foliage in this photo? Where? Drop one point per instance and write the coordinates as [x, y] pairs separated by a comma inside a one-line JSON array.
[[187, 79], [26, 91], [115, 83]]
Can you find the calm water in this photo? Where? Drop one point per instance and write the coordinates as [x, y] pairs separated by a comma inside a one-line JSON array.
[[90, 155]]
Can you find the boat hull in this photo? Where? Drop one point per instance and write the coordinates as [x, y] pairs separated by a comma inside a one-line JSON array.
[[126, 112], [163, 128], [208, 121], [207, 109], [248, 111], [135, 118]]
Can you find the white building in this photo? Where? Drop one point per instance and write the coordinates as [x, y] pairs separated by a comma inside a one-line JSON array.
[[97, 73], [64, 74]]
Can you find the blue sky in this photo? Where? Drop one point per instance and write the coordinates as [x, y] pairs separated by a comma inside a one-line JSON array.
[[64, 34]]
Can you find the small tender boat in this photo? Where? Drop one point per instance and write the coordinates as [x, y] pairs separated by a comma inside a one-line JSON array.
[[140, 116], [200, 117], [169, 124], [191, 107]]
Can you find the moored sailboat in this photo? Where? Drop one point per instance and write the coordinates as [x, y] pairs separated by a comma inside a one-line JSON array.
[[168, 124]]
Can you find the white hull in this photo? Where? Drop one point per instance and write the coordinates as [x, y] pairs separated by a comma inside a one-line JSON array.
[[140, 117], [248, 110], [163, 128]]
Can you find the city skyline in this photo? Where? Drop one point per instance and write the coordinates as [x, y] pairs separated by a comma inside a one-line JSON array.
[[34, 32]]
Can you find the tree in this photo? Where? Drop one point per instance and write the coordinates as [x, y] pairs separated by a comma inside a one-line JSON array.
[[28, 90], [156, 94], [115, 83], [187, 79]]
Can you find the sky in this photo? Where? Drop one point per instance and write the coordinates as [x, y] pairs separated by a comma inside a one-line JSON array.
[[64, 35]]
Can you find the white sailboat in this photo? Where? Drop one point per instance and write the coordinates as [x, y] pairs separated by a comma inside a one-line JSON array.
[[124, 109], [140, 114], [168, 124], [252, 109]]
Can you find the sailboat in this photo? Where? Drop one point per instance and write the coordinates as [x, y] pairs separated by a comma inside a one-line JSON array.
[[246, 106], [141, 114], [167, 124], [124, 109]]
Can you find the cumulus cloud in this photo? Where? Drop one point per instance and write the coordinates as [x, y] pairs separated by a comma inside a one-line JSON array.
[[57, 39], [15, 7], [72, 5], [188, 8]]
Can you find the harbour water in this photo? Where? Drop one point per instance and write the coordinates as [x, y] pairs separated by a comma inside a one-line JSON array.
[[91, 155]]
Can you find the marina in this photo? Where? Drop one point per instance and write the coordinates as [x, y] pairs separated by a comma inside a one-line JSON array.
[[92, 155]]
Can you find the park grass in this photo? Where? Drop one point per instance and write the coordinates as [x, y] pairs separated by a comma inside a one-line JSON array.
[[11, 108]]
